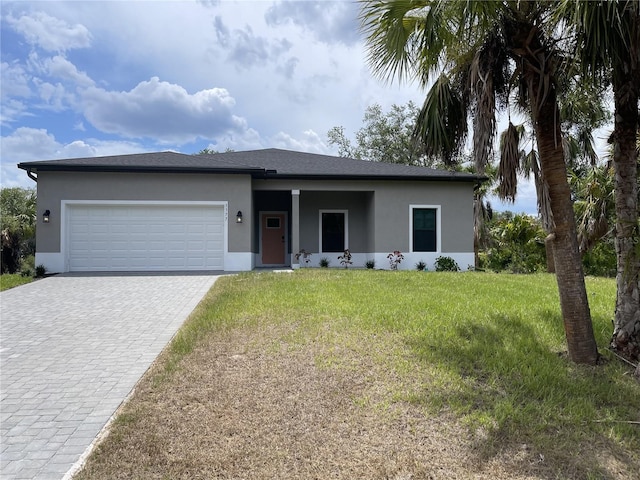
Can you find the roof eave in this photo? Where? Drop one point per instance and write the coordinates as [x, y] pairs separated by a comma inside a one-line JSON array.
[[138, 169], [434, 178]]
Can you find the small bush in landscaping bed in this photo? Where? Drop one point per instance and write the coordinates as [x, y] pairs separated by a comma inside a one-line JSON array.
[[446, 264]]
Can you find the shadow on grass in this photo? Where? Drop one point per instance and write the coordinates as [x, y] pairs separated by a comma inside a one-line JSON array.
[[517, 393]]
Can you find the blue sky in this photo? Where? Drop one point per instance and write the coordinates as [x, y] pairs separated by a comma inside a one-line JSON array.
[[90, 78]]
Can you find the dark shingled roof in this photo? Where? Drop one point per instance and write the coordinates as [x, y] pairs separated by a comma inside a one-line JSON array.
[[268, 163]]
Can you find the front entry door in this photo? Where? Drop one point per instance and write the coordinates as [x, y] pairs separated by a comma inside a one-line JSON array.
[[273, 230]]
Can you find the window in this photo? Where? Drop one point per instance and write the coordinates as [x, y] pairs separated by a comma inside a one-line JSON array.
[[333, 230], [424, 221], [273, 222]]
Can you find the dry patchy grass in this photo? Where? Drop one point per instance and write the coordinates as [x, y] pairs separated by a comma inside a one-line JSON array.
[[279, 399]]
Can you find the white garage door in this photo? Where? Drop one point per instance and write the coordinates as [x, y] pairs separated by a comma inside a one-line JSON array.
[[145, 237]]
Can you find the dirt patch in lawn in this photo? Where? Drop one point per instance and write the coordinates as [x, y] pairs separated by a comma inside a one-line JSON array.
[[262, 403]]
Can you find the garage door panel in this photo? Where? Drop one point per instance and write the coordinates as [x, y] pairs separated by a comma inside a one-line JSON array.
[[145, 237]]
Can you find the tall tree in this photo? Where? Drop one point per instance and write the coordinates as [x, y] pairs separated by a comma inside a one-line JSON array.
[[483, 51], [608, 34], [384, 137]]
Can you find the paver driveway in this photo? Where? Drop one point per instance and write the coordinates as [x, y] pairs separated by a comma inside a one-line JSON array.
[[72, 347]]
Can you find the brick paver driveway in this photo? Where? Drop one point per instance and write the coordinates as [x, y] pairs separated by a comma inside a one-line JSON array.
[[72, 347]]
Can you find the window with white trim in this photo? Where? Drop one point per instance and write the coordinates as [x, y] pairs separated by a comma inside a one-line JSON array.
[[425, 228], [334, 226]]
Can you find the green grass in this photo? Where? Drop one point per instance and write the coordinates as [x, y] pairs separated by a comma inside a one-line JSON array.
[[489, 348], [10, 280]]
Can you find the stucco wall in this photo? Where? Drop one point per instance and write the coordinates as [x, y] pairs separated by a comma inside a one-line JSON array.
[[357, 203], [53, 187], [393, 215], [388, 219]]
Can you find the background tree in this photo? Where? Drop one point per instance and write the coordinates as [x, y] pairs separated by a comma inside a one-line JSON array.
[[516, 244], [479, 52], [211, 151], [18, 226], [384, 137]]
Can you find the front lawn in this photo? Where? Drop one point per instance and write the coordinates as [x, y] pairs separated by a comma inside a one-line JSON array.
[[10, 280], [379, 374]]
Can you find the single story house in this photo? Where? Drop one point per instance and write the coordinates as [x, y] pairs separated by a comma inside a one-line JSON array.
[[237, 211]]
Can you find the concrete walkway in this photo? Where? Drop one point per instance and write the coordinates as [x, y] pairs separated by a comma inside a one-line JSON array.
[[72, 347]]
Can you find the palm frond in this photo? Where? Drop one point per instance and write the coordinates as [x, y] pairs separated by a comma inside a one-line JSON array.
[[404, 38], [487, 81], [441, 126], [509, 163], [595, 204], [542, 191]]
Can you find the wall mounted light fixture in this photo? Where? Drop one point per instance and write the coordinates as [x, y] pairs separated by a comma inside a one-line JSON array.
[[239, 217], [46, 216]]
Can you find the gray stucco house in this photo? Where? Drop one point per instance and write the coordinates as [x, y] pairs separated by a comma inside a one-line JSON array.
[[241, 210]]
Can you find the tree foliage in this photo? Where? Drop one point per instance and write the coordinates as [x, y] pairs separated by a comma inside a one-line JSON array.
[[516, 244], [18, 226], [384, 137]]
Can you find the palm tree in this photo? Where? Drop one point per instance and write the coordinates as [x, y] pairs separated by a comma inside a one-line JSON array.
[[483, 51], [594, 204], [609, 36]]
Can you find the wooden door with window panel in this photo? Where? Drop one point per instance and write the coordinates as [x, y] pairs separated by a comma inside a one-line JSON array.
[[273, 238]]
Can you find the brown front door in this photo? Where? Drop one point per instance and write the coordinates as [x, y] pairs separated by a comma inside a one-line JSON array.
[[273, 238]]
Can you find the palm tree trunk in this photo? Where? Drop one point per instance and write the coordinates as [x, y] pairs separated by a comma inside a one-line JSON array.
[[626, 332], [568, 264], [548, 250]]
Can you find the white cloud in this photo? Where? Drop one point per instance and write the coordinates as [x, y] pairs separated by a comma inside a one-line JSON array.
[[329, 21], [309, 142], [54, 96], [15, 81], [163, 111], [60, 67], [28, 144], [15, 89], [32, 144], [245, 49], [12, 110], [50, 33]]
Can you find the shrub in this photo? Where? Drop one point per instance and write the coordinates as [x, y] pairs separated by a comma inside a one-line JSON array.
[[421, 266], [370, 264], [600, 260], [18, 215], [517, 245], [324, 262], [27, 266], [446, 264], [40, 271]]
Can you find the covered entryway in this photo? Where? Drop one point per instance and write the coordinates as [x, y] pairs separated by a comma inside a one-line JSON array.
[[145, 237]]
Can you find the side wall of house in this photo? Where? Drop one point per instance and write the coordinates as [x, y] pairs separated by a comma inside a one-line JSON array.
[[55, 188]]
